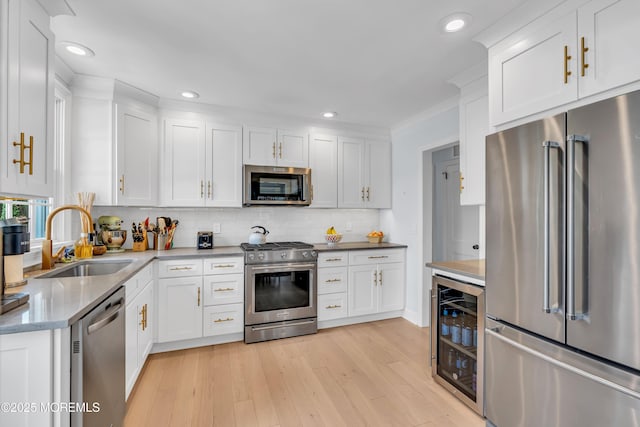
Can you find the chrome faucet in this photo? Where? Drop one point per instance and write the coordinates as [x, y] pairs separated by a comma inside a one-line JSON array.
[[48, 260]]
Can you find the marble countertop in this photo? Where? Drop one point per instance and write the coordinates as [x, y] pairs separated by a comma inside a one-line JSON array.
[[473, 268]]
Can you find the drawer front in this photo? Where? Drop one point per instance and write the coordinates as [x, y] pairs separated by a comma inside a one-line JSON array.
[[223, 265], [332, 280], [332, 306], [223, 319], [180, 268], [133, 286], [376, 256], [333, 259], [223, 289]]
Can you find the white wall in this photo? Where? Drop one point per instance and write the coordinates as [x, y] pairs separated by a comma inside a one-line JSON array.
[[284, 223], [404, 220]]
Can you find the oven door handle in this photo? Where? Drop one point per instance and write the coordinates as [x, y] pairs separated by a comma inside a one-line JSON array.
[[279, 325], [284, 267]]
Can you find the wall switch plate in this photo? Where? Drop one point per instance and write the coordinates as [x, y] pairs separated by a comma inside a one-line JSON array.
[[349, 227], [216, 228]]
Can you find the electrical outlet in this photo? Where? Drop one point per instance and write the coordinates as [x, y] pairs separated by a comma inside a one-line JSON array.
[[349, 227], [216, 228]]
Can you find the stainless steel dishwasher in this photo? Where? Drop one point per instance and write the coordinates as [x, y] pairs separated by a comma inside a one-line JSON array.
[[98, 365]]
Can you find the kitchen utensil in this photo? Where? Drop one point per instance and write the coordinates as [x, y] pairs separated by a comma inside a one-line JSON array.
[[258, 236], [114, 239]]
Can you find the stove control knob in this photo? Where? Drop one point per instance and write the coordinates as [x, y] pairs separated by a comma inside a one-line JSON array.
[[251, 256], [260, 256], [305, 254], [283, 255], [313, 253]]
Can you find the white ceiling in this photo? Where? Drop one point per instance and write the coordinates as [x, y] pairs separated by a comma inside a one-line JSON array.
[[375, 62]]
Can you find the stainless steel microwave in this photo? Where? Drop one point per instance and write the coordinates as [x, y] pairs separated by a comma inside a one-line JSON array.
[[274, 185]]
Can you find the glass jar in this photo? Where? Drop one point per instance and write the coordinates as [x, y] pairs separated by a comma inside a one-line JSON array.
[[83, 248]]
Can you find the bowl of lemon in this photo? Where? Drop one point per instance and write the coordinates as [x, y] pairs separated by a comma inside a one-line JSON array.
[[332, 236]]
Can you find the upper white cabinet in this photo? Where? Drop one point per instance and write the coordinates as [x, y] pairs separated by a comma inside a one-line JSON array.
[[323, 161], [275, 147], [587, 51], [26, 99], [202, 164], [114, 142], [364, 173]]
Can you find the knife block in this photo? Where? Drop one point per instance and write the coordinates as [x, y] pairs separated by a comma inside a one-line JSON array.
[[141, 246]]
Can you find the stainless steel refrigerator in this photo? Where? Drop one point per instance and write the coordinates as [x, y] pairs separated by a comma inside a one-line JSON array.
[[563, 269]]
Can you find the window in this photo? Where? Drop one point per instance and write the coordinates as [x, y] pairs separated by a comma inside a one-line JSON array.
[[33, 211]]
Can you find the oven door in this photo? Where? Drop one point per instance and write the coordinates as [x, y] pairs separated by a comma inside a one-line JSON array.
[[280, 292]]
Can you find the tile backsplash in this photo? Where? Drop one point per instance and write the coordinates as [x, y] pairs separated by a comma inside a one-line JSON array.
[[283, 223]]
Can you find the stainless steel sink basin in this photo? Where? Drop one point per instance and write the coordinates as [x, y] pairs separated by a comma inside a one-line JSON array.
[[88, 268]]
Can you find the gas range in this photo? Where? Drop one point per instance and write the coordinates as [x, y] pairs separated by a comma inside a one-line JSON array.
[[276, 252]]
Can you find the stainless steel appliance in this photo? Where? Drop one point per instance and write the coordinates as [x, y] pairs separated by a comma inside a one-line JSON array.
[[457, 341], [14, 242], [205, 240], [272, 185], [98, 365], [280, 290], [563, 270]]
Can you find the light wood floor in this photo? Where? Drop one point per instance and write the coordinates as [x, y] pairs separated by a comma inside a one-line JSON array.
[[374, 374]]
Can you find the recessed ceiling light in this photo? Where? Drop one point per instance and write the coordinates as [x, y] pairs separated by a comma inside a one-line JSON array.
[[189, 94], [455, 22], [77, 49], [329, 114]]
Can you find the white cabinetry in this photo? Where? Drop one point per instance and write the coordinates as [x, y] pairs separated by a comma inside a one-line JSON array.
[[223, 296], [275, 147], [364, 173], [587, 51], [323, 161], [202, 164], [114, 142], [138, 331], [376, 281], [26, 99], [332, 285], [179, 300]]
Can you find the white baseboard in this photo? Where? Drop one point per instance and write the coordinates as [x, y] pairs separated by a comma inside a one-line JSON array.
[[160, 347], [358, 319], [413, 317]]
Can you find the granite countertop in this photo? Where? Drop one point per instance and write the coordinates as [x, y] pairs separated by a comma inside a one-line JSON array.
[[59, 302], [351, 246], [472, 268]]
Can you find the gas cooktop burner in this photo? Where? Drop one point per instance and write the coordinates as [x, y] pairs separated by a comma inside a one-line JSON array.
[[272, 246]]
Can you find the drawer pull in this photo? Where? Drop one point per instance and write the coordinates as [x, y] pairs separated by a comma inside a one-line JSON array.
[[228, 319], [333, 259], [224, 266], [332, 280], [330, 307], [180, 268], [223, 289], [379, 257]]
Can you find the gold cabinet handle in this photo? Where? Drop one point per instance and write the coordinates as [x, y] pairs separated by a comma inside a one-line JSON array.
[[209, 190], [567, 57], [380, 277], [143, 314], [201, 189], [30, 148], [228, 319], [224, 266], [461, 179], [329, 307], [273, 153], [583, 63], [179, 268], [368, 199], [23, 147], [280, 150], [142, 318], [375, 278], [362, 194], [198, 296], [223, 289], [378, 257], [122, 184], [332, 280], [333, 259]]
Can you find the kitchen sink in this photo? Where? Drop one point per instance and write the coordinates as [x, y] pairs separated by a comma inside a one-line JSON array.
[[88, 268]]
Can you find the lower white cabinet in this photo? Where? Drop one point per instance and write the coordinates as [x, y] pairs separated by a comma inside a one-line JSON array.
[[179, 308], [332, 306], [139, 334], [223, 319]]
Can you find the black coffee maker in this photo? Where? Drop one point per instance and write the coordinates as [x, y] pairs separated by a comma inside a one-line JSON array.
[[14, 242]]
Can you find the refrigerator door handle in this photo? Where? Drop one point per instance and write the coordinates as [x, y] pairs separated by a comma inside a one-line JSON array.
[[571, 212], [547, 146]]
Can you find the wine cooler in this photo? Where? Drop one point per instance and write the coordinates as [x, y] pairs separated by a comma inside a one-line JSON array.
[[457, 339]]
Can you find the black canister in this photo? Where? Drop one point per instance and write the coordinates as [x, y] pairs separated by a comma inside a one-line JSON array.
[[16, 239]]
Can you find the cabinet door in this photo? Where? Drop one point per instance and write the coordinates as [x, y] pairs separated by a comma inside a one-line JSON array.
[[323, 161], [29, 93], [137, 157], [474, 127], [179, 308], [293, 149], [391, 286], [332, 306], [363, 290], [183, 164], [378, 176], [224, 165], [259, 146], [609, 30], [351, 154], [133, 320], [529, 75], [145, 334], [223, 319]]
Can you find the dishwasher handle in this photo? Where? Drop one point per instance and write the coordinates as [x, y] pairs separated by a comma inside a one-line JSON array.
[[105, 318]]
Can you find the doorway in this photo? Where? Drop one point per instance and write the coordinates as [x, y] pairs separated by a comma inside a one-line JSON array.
[[455, 227]]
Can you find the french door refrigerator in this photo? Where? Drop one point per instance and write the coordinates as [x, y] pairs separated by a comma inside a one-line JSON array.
[[563, 269]]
